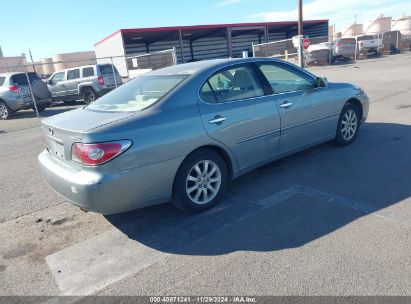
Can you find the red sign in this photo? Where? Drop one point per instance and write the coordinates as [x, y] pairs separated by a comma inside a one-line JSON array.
[[306, 43]]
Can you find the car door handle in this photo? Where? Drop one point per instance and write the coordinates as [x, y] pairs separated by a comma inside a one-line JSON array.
[[217, 120], [286, 105]]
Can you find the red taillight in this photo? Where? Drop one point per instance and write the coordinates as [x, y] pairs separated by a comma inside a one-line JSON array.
[[97, 154], [100, 80], [14, 88]]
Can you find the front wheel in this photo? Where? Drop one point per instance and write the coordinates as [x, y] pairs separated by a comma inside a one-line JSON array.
[[348, 125], [200, 182]]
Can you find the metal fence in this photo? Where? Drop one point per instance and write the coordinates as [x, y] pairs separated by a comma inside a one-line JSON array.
[[329, 50], [27, 90]]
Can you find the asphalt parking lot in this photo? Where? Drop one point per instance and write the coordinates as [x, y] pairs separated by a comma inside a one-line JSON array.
[[326, 221]]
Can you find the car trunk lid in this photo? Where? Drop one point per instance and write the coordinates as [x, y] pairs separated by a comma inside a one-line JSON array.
[[61, 131]]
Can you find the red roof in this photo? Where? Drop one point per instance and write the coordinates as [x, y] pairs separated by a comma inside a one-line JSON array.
[[210, 26]]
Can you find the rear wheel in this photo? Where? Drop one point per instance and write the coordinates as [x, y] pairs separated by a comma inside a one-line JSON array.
[[348, 125], [89, 95], [200, 182], [5, 111]]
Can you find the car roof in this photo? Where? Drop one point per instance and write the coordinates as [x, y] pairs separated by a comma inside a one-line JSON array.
[[200, 66], [9, 74]]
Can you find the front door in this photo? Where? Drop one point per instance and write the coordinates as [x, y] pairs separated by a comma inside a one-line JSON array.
[[307, 111], [56, 84], [236, 113]]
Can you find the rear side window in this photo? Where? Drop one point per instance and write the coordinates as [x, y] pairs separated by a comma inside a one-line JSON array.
[[230, 84], [106, 69], [2, 79], [87, 72], [73, 74]]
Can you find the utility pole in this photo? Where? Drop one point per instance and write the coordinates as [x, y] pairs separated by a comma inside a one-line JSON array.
[[300, 32], [32, 62], [300, 17]]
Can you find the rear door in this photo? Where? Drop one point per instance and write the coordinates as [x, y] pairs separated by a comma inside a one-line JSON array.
[[308, 113], [235, 112], [106, 71], [72, 82], [21, 81]]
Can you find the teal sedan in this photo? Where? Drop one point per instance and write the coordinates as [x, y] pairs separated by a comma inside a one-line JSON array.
[[181, 133]]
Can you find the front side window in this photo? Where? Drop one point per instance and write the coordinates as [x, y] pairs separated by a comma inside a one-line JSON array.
[[284, 79], [2, 79], [73, 74], [57, 77], [231, 84], [138, 94]]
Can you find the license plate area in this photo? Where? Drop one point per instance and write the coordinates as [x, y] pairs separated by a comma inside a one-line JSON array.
[[55, 148]]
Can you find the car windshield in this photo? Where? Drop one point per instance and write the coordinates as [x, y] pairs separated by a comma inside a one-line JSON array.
[[138, 94]]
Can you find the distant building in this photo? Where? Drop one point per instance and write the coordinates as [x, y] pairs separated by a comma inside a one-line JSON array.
[[47, 65], [199, 42]]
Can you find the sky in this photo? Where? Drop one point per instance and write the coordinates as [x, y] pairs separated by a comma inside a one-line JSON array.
[[51, 27]]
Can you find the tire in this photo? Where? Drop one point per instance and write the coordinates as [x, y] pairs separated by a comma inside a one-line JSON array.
[[192, 192], [40, 90], [348, 125], [69, 102], [5, 111], [88, 95], [41, 108]]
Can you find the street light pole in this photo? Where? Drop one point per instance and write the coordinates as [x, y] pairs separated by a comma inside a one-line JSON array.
[[300, 33]]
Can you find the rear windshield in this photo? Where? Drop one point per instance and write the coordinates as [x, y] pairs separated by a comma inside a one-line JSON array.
[[137, 94], [106, 69], [2, 80], [21, 79]]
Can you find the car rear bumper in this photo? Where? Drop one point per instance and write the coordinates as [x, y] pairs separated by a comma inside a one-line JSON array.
[[22, 103], [109, 193]]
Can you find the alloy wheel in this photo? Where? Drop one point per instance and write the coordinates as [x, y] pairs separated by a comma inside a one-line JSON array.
[[349, 125], [4, 112], [203, 182]]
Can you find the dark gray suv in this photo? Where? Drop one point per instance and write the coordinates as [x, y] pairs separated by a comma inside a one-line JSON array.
[[15, 93], [85, 83]]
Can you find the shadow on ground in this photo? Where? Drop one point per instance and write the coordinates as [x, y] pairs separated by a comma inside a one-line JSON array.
[[373, 173]]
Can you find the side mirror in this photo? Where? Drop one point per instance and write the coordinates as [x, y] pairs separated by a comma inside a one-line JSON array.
[[322, 82]]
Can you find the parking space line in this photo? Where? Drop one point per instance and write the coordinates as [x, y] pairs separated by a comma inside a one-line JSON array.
[[98, 262], [358, 206]]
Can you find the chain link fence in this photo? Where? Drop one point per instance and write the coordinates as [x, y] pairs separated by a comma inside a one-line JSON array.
[[48, 88], [331, 50]]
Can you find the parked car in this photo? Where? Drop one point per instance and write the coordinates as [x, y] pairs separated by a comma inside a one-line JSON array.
[[343, 48], [318, 54], [369, 44], [183, 132], [85, 83], [15, 93]]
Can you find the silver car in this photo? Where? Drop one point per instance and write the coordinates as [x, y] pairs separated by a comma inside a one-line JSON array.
[[85, 83], [182, 133], [15, 94]]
